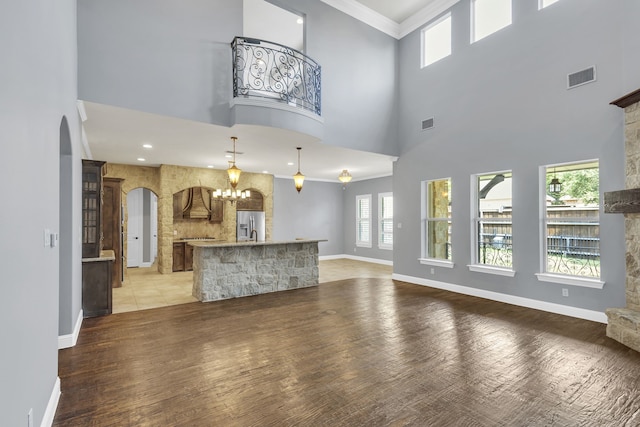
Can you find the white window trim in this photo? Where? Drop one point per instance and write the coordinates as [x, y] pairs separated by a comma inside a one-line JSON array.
[[542, 6], [422, 35], [475, 266], [359, 243], [490, 269], [425, 259], [544, 276], [437, 262], [385, 246]]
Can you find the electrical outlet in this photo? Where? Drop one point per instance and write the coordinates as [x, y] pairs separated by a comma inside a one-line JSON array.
[[565, 292], [433, 270], [47, 238], [30, 418]]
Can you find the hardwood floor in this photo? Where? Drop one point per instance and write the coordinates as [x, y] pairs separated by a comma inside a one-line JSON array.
[[356, 352]]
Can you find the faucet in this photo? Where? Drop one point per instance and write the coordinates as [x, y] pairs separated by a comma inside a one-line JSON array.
[[251, 235]]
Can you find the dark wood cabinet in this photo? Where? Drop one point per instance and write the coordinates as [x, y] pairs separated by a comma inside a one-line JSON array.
[[91, 208], [112, 225], [182, 256], [96, 287], [217, 211]]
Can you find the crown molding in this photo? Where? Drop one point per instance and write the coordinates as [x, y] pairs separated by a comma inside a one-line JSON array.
[[369, 16], [381, 23]]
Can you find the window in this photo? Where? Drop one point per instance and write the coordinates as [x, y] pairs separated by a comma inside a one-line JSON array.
[[544, 3], [492, 220], [436, 40], [363, 220], [436, 222], [385, 220], [489, 16], [571, 229]]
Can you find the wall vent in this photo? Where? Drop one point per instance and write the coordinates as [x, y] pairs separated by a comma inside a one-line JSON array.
[[581, 77], [427, 124]]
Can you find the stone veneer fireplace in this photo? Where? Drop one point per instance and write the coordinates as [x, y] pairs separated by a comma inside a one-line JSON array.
[[624, 323]]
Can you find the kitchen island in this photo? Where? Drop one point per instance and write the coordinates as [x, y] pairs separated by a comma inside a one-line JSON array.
[[223, 270]]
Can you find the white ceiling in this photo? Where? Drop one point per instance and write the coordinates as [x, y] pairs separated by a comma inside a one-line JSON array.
[[117, 135]]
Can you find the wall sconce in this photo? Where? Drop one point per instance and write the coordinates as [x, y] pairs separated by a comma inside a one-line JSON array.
[[298, 178]]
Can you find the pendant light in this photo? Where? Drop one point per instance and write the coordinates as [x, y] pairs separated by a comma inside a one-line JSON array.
[[298, 178], [234, 171], [555, 186]]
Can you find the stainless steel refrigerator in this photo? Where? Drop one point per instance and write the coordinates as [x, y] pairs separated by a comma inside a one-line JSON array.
[[250, 225]]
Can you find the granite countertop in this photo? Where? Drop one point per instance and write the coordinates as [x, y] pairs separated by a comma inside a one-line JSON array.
[[108, 255], [220, 243], [196, 239]]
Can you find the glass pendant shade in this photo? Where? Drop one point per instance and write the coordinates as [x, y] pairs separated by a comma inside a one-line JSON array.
[[345, 176], [298, 178], [234, 175]]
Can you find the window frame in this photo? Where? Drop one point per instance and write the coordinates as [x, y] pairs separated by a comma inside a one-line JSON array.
[[473, 23], [359, 219], [381, 219], [476, 219], [425, 208], [552, 277], [423, 33]]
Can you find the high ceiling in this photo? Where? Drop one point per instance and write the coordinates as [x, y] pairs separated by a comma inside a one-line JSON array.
[[396, 10], [117, 135]]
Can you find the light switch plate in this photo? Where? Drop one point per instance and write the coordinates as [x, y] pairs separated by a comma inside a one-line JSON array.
[[47, 238]]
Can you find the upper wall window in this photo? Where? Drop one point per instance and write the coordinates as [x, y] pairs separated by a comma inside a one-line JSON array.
[[436, 220], [436, 40], [489, 16], [385, 220], [544, 3], [363, 220], [493, 221]]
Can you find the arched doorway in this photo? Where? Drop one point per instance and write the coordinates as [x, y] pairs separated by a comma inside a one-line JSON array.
[[66, 304], [142, 227]]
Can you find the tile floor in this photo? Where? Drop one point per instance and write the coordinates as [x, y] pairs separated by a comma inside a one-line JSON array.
[[146, 288]]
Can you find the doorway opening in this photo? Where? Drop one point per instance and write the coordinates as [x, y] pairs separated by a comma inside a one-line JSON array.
[[142, 228]]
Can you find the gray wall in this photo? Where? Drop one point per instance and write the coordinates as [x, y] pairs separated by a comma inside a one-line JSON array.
[[38, 44], [353, 189], [502, 104], [315, 212], [173, 58]]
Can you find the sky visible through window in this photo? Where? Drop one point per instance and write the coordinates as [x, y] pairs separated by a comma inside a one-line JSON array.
[[489, 16]]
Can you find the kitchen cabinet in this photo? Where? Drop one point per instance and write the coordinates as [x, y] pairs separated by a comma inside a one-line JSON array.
[[112, 225], [91, 208], [217, 211], [182, 256]]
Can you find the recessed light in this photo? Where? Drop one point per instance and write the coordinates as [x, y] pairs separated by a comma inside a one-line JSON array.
[[290, 164], [147, 146], [210, 166], [299, 20], [141, 159], [265, 171], [228, 156]]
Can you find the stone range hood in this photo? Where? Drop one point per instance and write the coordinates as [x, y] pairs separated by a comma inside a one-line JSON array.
[[624, 323]]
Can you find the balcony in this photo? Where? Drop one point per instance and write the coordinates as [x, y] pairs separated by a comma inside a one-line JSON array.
[[273, 72]]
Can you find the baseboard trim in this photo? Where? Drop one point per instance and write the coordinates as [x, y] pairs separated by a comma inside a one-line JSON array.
[[580, 313], [70, 340], [50, 412], [356, 258]]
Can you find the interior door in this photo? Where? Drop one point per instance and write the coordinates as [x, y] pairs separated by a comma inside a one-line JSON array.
[[134, 228], [154, 227]]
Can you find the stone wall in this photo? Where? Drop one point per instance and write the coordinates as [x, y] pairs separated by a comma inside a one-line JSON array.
[[624, 323], [243, 270], [166, 180]]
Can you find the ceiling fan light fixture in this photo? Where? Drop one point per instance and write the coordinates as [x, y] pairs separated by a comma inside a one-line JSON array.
[[345, 176]]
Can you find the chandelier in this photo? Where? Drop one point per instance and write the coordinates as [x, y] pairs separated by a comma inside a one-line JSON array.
[[345, 176], [233, 172]]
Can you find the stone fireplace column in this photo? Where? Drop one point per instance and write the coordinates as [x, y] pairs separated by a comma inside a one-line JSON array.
[[624, 323]]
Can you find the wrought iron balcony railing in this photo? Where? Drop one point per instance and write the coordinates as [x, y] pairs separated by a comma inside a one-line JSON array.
[[263, 69]]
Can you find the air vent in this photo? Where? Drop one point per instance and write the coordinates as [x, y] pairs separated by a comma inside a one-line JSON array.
[[427, 124], [581, 77]]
